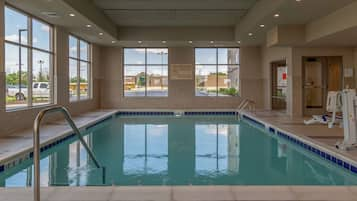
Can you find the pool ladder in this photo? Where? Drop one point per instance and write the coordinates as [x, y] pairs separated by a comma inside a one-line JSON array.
[[246, 104], [36, 144]]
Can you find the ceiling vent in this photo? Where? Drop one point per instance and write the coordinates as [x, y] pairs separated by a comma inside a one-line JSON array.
[[50, 14]]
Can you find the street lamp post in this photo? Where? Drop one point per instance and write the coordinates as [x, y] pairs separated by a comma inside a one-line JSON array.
[[41, 62], [20, 65]]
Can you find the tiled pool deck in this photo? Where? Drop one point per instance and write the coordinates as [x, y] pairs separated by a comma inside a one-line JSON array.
[[320, 134], [184, 193]]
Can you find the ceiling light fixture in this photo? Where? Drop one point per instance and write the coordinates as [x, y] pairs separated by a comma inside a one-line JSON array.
[[277, 15], [250, 34], [71, 15], [113, 41], [88, 25], [238, 42], [262, 25], [190, 41], [140, 41], [164, 41], [101, 34], [211, 41]]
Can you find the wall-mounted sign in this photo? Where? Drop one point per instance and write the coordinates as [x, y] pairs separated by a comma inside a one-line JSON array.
[[181, 72]]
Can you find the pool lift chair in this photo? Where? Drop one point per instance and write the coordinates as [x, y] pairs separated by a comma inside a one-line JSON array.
[[333, 106], [349, 106]]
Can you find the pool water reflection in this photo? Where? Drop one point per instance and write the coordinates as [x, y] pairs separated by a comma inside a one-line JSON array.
[[179, 151]]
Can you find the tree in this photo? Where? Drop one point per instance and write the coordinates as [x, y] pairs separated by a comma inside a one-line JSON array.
[[13, 78], [74, 80]]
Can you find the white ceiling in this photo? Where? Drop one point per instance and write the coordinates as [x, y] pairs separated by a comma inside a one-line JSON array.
[[175, 12]]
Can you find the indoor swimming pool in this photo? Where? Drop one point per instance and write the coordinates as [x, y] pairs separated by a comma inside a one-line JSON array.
[[178, 150]]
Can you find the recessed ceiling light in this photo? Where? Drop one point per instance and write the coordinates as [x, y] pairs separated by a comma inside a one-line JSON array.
[[164, 41], [238, 42], [101, 34], [113, 41], [211, 41], [250, 34], [262, 25], [298, 0], [277, 15], [190, 41], [88, 25], [140, 41], [71, 14]]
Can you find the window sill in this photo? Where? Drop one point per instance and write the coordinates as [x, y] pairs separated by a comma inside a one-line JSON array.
[[27, 108]]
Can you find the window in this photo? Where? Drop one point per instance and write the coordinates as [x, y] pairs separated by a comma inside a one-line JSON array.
[[145, 72], [79, 69], [217, 71], [28, 60]]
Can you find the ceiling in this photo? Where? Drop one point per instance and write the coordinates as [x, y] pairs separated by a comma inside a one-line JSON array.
[[175, 12], [190, 17]]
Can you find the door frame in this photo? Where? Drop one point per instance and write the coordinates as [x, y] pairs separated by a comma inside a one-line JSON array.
[[275, 64]]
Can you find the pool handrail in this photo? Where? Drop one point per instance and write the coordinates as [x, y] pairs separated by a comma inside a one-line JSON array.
[[36, 144]]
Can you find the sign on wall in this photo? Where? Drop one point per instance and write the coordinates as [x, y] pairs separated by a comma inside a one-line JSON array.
[[181, 72]]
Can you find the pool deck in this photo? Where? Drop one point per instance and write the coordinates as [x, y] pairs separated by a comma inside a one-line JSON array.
[[184, 193], [318, 133]]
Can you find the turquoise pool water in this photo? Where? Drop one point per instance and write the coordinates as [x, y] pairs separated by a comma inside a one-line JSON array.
[[190, 150]]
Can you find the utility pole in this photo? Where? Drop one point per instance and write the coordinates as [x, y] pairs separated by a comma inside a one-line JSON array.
[[20, 65]]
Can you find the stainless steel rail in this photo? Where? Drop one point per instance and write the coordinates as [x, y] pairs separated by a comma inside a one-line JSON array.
[[36, 144]]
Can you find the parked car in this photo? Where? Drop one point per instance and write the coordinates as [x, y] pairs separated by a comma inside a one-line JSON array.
[[39, 90]]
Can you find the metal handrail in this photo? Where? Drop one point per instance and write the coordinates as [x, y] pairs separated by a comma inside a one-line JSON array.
[[36, 144], [246, 103]]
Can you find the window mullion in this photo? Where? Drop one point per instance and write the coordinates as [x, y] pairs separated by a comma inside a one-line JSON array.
[[146, 78], [78, 71], [30, 63]]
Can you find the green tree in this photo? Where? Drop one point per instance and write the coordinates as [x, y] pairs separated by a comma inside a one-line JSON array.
[[13, 78], [74, 80]]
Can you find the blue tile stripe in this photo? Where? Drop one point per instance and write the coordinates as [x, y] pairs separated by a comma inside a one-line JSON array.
[[210, 113], [253, 121], [136, 113], [98, 122], [311, 148]]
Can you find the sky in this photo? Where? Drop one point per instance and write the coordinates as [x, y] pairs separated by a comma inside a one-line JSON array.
[[41, 32]]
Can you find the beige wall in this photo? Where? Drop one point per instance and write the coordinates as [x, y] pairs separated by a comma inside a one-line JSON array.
[[21, 119], [181, 92]]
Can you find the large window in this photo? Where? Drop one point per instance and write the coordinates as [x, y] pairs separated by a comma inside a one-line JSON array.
[[28, 60], [79, 69], [217, 71], [145, 72]]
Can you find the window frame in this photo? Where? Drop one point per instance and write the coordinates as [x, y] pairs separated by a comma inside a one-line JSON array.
[[146, 67], [30, 48], [79, 61], [217, 71]]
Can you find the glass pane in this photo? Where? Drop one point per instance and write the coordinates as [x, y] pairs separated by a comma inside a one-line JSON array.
[[206, 151], [41, 76], [134, 80], [73, 77], [15, 26], [157, 81], [84, 50], [134, 56], [157, 56], [73, 45], [41, 35], [222, 148], [228, 56], [83, 81], [157, 148], [16, 76], [206, 80], [206, 55], [228, 80]]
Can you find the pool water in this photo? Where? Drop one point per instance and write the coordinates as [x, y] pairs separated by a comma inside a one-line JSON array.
[[189, 150]]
